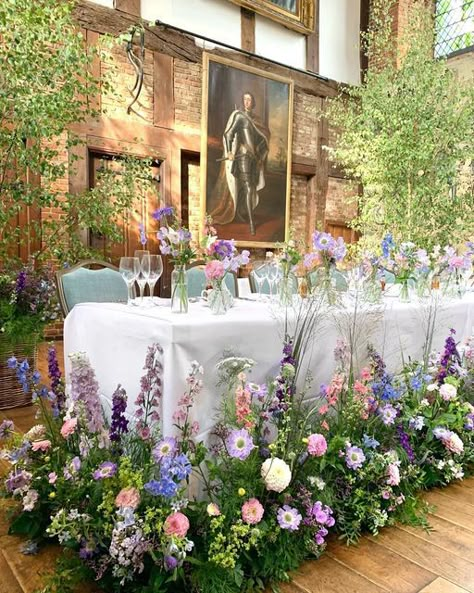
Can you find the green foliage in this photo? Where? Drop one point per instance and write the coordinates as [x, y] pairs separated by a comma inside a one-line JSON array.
[[46, 86], [406, 135]]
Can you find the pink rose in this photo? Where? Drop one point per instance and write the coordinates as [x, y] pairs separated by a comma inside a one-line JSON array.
[[393, 478], [252, 511], [317, 445], [214, 270], [41, 445], [69, 427], [176, 524], [128, 497]]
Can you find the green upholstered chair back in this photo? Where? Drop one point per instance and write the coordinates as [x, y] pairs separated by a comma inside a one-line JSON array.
[[197, 281], [339, 281], [83, 285], [265, 289]]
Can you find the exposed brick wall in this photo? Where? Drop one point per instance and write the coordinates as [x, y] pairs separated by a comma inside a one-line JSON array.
[[194, 194], [187, 94], [305, 112], [298, 207], [463, 65], [340, 205]]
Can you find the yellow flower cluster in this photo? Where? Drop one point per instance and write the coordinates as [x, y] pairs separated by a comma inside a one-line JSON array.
[[129, 477], [225, 548], [153, 521]]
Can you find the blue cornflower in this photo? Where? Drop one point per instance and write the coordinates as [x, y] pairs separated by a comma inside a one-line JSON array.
[[370, 442], [12, 363]]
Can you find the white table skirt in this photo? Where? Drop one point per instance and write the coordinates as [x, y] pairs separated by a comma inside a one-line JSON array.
[[116, 338]]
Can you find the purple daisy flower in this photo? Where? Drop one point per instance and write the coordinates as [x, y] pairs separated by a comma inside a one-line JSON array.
[[165, 448], [239, 444], [354, 457], [388, 413], [288, 518], [323, 241], [105, 470], [6, 428]]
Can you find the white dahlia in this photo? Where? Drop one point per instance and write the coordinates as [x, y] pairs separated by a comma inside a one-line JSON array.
[[276, 474]]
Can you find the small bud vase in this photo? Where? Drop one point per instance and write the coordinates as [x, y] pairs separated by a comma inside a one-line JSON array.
[[179, 290], [219, 297]]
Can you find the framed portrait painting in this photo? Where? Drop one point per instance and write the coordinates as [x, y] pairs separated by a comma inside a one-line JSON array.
[[295, 14], [246, 152]]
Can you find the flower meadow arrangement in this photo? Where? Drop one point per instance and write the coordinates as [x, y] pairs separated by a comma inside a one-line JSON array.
[[141, 511]]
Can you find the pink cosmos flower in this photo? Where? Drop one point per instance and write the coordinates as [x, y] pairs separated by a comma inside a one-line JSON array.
[[317, 445], [214, 270], [69, 427], [41, 445], [176, 524], [128, 497], [252, 511]]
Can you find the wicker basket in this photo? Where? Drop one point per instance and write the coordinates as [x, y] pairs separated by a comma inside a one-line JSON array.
[[12, 394]]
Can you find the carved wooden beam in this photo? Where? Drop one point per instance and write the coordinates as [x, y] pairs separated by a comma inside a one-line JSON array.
[[173, 43]]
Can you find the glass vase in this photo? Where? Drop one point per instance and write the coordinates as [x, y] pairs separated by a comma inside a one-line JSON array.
[[325, 286], [404, 296], [219, 298], [179, 290], [286, 291]]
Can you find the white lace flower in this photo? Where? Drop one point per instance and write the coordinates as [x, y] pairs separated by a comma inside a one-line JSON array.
[[276, 474]]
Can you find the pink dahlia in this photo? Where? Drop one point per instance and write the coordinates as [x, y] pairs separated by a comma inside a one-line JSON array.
[[252, 511], [317, 445], [128, 497]]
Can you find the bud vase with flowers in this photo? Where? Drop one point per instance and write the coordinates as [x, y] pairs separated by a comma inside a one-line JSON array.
[[456, 269], [322, 260], [175, 241], [221, 257], [288, 258], [401, 261]]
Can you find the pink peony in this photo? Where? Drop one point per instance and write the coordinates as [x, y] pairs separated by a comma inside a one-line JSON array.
[[69, 427], [214, 270], [393, 478], [453, 443], [252, 511], [317, 445], [128, 497], [41, 445], [176, 524]]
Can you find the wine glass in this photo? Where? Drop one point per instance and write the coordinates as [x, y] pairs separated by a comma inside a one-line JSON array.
[[156, 269], [129, 268], [144, 271], [259, 275], [273, 274]]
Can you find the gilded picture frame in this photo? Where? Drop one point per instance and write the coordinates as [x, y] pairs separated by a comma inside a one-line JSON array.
[[295, 14], [246, 141]]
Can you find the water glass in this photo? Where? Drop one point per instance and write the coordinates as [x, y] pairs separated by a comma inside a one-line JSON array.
[[130, 269], [156, 270], [144, 270]]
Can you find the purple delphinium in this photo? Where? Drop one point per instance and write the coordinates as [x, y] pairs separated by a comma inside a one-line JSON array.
[[469, 422], [405, 443], [149, 398], [20, 283], [18, 480], [239, 444], [167, 447], [178, 467], [449, 358], [165, 487], [370, 442], [55, 376], [354, 457], [118, 424], [107, 469], [288, 518], [388, 414], [387, 244], [6, 428], [85, 392], [163, 212], [12, 363], [141, 230], [285, 386]]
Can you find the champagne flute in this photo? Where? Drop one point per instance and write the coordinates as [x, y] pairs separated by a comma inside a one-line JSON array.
[[156, 270], [129, 268], [258, 274], [142, 278]]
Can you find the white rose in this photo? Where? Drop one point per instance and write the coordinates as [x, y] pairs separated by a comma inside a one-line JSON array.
[[276, 474], [448, 391], [432, 387]]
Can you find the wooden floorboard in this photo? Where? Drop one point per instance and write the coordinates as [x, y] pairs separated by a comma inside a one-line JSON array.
[[400, 560]]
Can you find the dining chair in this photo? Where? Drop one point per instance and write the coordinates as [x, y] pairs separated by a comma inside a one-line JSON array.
[[265, 289], [90, 281], [197, 281]]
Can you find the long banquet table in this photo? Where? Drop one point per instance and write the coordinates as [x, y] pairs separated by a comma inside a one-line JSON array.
[[116, 337]]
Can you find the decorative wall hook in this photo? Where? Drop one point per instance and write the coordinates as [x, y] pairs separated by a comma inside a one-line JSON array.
[[137, 62]]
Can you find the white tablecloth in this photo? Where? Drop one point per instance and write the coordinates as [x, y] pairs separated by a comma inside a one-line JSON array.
[[116, 338]]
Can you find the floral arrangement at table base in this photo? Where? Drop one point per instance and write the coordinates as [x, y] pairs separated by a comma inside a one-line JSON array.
[[321, 263], [277, 475]]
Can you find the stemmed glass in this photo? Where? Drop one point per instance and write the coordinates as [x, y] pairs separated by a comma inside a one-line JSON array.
[[273, 275], [259, 276], [130, 269], [156, 270], [142, 278]]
